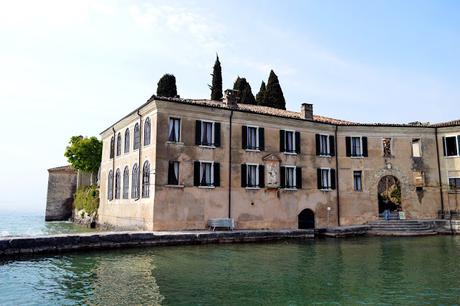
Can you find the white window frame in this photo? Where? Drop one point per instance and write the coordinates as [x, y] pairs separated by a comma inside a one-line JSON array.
[[328, 145], [212, 174], [360, 145], [294, 186], [329, 186], [294, 145], [257, 176], [179, 141], [354, 185], [456, 142], [383, 147], [213, 131], [419, 146], [257, 148], [448, 184]]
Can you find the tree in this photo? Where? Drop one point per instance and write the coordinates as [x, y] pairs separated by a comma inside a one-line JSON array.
[[260, 97], [84, 153], [167, 86], [216, 87], [274, 94], [244, 91]]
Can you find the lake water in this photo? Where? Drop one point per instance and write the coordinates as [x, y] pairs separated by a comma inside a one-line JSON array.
[[358, 271], [15, 224]]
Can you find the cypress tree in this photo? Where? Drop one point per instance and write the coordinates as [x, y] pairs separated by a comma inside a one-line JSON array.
[[274, 94], [216, 87], [167, 86], [244, 91], [260, 97]]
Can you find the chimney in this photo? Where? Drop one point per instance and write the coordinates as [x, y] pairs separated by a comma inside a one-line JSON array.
[[230, 98], [306, 111]]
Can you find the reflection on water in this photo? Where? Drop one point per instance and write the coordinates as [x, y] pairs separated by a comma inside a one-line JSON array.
[[405, 271]]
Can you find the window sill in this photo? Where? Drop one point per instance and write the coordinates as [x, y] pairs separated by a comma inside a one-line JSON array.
[[326, 156], [289, 189], [252, 188], [252, 150], [326, 189], [207, 147], [452, 156], [179, 143], [290, 153], [357, 157], [174, 186], [206, 187]]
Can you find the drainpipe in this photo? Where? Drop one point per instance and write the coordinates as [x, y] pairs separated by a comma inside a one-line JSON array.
[[439, 171], [230, 168], [139, 155], [337, 176]]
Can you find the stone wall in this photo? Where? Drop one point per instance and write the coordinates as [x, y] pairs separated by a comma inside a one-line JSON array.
[[62, 183]]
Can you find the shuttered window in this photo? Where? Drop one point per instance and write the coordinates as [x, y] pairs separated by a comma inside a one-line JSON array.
[[356, 146], [326, 178], [325, 145], [206, 174], [207, 133], [290, 141], [173, 173]]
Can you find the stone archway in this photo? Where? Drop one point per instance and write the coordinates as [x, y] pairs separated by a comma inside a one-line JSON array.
[[389, 194], [306, 219]]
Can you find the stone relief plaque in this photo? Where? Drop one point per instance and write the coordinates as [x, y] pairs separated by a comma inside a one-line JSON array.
[[272, 173]]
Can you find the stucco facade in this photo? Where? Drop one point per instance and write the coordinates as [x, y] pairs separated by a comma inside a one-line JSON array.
[[269, 205]]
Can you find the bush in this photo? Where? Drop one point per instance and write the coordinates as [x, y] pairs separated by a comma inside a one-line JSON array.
[[87, 198]]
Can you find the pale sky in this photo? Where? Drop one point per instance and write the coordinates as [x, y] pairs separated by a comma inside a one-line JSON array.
[[75, 67]]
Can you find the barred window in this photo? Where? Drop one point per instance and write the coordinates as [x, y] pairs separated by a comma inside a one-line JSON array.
[[117, 184], [147, 130], [146, 180], [118, 144], [135, 182], [126, 140], [110, 186], [137, 137], [126, 183]]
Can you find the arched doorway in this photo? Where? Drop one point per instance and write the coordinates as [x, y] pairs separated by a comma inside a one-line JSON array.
[[306, 219], [389, 194]]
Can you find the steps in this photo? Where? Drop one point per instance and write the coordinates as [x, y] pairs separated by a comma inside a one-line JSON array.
[[401, 228]]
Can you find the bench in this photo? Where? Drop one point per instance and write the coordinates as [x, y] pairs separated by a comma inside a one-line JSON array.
[[221, 223]]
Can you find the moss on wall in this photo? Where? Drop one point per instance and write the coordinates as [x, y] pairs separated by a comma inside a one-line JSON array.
[[87, 198]]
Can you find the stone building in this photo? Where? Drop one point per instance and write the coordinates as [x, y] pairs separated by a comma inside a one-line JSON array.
[[174, 164]]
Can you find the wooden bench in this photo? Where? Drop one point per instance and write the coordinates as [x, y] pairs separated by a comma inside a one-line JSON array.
[[221, 223]]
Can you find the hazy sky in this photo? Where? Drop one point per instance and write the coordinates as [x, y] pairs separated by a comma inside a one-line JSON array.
[[75, 67]]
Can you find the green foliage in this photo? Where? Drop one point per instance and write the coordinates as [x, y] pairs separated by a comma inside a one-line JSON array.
[[244, 91], [87, 199], [216, 87], [167, 86], [84, 153], [274, 94], [260, 97]]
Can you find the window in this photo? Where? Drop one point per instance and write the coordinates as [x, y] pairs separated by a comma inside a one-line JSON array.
[[289, 141], [126, 140], [290, 177], [119, 144], [356, 146], [147, 130], [126, 183], [326, 178], [416, 147], [110, 186], [252, 176], [358, 180], [454, 184], [174, 130], [325, 145], [386, 144], [135, 182], [207, 133], [137, 137], [112, 146], [117, 183], [206, 174], [451, 145], [146, 180], [173, 173], [253, 138]]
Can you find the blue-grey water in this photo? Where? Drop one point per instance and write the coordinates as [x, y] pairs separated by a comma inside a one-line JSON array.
[[358, 271], [16, 224]]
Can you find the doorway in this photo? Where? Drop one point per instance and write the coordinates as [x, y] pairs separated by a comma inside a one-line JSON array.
[[306, 219]]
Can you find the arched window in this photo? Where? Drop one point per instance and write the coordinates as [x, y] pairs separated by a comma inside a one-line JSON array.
[[117, 184], [127, 141], [135, 182], [112, 146], [118, 144], [147, 130], [137, 137], [126, 183], [110, 186], [146, 180]]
